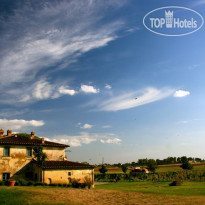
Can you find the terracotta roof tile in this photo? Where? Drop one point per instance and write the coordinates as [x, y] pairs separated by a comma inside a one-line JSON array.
[[66, 165], [22, 140]]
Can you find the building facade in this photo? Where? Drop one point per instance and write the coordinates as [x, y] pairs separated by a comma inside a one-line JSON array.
[[17, 161]]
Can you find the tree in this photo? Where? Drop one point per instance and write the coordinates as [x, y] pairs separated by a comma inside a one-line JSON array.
[[124, 168], [185, 164], [103, 169], [39, 156], [151, 165]]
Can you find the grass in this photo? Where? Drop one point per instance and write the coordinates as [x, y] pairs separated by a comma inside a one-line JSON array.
[[129, 193], [186, 189], [10, 196]]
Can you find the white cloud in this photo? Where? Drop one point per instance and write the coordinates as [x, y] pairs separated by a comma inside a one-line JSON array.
[[181, 93], [19, 124], [87, 138], [111, 141], [134, 99], [107, 86], [33, 45], [89, 89], [106, 126], [43, 90], [87, 126], [66, 91]]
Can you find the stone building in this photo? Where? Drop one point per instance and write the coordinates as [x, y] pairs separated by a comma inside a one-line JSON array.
[[16, 160]]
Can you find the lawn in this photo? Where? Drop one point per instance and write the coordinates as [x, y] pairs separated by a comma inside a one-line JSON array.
[[187, 188], [129, 193], [10, 196]]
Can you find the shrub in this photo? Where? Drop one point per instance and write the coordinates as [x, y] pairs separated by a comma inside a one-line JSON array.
[[176, 182], [21, 182], [2, 183], [53, 184], [186, 165], [75, 183], [88, 182]]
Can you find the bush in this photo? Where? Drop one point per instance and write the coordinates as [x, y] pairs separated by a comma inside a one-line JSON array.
[[88, 182], [176, 182], [21, 182], [187, 166], [75, 183], [53, 184], [2, 183]]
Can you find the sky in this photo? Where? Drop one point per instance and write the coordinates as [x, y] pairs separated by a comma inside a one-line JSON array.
[[89, 74]]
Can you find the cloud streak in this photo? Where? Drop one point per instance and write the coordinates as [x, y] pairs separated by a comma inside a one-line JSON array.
[[134, 99]]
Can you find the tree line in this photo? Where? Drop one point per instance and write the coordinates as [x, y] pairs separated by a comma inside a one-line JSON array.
[[168, 160]]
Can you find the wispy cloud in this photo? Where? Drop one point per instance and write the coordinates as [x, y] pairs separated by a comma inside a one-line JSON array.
[[107, 86], [193, 67], [87, 138], [111, 141], [37, 40], [134, 99], [19, 124], [181, 93], [89, 89], [106, 126]]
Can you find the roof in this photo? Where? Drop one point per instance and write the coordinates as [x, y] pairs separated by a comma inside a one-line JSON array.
[[66, 165], [22, 140]]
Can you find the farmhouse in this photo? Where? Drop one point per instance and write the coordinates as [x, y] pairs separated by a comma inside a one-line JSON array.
[[16, 160]]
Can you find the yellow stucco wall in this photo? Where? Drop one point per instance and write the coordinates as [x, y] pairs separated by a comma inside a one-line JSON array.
[[15, 162], [54, 153], [62, 176]]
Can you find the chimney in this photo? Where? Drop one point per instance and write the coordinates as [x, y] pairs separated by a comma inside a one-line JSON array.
[[42, 140], [1, 133], [9, 133], [32, 135]]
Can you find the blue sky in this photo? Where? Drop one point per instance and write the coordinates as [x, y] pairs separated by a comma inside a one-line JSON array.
[[72, 70]]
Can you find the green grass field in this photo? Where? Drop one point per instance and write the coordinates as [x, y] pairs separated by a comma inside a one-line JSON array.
[[10, 196], [187, 188]]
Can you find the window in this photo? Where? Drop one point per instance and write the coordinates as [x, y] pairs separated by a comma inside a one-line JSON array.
[[69, 173], [6, 176], [6, 151], [29, 152]]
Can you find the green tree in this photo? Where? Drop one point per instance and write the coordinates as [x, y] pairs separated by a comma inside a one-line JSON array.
[[185, 164], [152, 165], [39, 156], [103, 169], [124, 168]]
